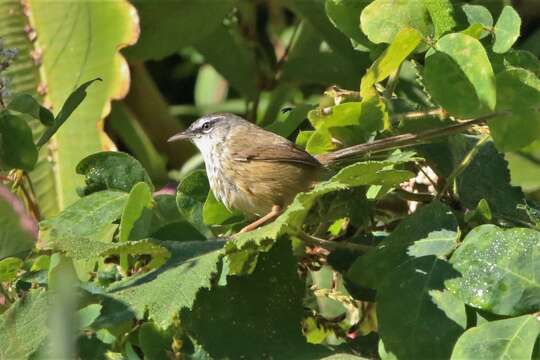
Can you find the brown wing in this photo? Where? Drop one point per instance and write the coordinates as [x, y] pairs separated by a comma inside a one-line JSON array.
[[267, 146]]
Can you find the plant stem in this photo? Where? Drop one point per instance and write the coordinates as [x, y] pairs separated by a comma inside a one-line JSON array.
[[333, 245], [463, 165]]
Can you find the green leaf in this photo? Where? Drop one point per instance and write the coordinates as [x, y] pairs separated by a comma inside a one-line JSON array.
[[402, 45], [381, 20], [173, 25], [477, 14], [88, 314], [110, 170], [23, 327], [497, 272], [489, 167], [431, 230], [345, 16], [214, 212], [442, 16], [9, 267], [506, 30], [434, 318], [227, 39], [190, 198], [351, 123], [26, 104], [86, 218], [72, 102], [518, 91], [154, 342], [459, 76], [502, 339], [17, 149], [286, 126], [18, 231], [174, 286], [256, 322], [137, 214]]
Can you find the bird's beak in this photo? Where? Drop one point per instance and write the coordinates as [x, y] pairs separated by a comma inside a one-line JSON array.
[[184, 135]]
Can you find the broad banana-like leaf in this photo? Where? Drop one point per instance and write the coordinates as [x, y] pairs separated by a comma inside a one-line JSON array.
[[61, 45]]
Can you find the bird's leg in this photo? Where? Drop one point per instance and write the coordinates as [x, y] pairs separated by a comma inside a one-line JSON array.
[[274, 213]]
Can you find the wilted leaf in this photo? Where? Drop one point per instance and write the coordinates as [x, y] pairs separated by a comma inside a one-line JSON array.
[[459, 76], [506, 30], [502, 339], [18, 231], [497, 274], [17, 149], [110, 170]]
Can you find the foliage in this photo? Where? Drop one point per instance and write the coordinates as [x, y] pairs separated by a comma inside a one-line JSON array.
[[424, 252]]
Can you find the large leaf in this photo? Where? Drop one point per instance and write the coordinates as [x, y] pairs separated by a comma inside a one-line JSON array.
[[86, 218], [431, 230], [403, 44], [111, 25], [434, 318], [261, 312], [442, 15], [174, 286], [18, 231], [506, 30], [111, 170], [487, 177], [172, 25], [503, 339], [345, 15], [381, 20], [459, 76], [23, 327], [498, 273], [518, 91]]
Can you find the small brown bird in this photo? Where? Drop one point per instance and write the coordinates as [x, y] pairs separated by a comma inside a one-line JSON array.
[[258, 172]]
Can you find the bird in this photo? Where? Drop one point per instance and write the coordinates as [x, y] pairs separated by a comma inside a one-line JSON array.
[[258, 172]]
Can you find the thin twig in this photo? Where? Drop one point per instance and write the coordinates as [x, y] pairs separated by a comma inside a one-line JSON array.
[[463, 165], [400, 141], [333, 245]]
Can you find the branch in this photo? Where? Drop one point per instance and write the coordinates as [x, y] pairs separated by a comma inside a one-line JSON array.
[[333, 245]]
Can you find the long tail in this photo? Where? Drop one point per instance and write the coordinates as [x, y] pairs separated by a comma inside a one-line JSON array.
[[398, 141]]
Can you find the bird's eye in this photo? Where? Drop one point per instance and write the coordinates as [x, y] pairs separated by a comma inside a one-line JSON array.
[[207, 127]]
